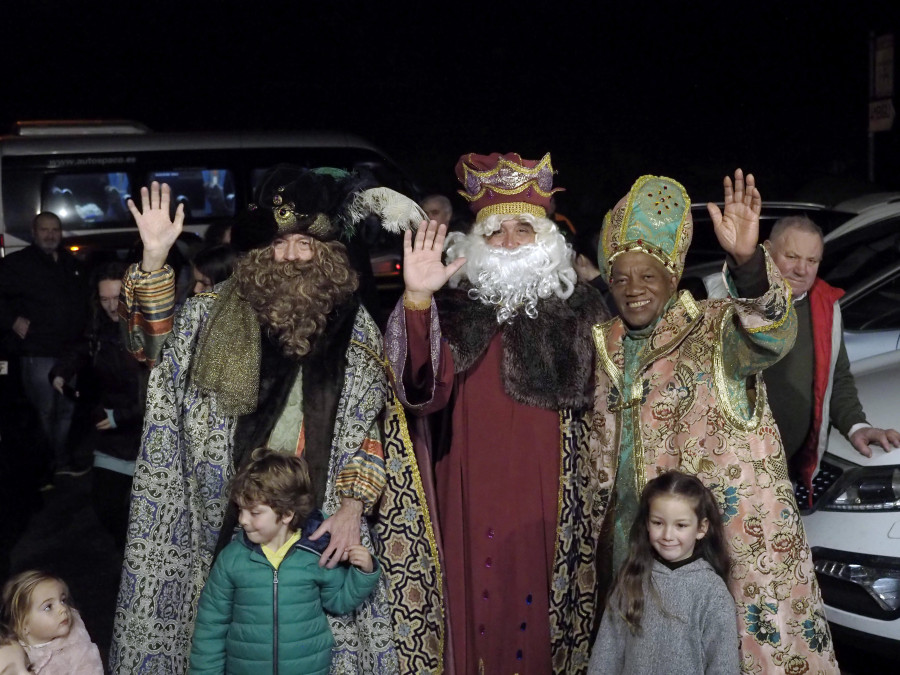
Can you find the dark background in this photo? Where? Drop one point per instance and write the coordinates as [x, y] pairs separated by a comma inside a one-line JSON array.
[[612, 90]]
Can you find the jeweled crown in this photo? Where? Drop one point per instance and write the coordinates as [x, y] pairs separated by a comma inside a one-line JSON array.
[[506, 184]]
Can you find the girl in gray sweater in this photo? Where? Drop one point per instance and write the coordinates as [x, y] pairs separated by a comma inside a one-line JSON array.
[[670, 611]]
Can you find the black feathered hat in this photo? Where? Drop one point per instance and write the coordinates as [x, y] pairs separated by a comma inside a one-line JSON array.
[[324, 203]]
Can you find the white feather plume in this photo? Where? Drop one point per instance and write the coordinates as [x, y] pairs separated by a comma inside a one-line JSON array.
[[397, 212]]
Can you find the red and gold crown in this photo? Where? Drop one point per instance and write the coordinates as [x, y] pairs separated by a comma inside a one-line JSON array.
[[506, 184]]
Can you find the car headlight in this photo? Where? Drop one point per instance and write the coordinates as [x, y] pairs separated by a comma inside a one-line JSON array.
[[865, 489], [878, 576]]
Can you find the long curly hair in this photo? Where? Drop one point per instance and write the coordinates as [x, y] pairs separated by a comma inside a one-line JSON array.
[[635, 578], [294, 298]]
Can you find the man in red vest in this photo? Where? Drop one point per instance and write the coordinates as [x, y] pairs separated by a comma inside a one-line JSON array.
[[812, 385]]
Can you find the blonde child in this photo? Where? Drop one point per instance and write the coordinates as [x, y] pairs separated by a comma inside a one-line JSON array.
[[671, 611], [262, 607], [36, 606], [13, 660]]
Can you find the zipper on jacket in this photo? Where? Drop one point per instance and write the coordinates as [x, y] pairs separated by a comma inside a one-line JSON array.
[[275, 621]]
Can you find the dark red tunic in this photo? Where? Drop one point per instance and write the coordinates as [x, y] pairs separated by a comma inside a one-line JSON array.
[[498, 491]]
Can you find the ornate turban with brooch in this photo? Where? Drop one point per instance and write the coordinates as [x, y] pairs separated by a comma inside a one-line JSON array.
[[653, 218]]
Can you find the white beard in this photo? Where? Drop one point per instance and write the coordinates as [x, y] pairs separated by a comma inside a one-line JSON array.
[[513, 279]]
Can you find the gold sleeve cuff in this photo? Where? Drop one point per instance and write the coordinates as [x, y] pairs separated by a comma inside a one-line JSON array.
[[415, 306]]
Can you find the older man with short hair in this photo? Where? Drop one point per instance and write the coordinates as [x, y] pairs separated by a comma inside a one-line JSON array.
[[812, 385], [438, 208]]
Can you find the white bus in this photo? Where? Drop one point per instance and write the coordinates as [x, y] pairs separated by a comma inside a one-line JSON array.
[[84, 171]]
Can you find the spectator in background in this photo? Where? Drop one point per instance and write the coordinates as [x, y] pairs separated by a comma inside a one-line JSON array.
[[211, 265], [438, 208], [43, 303], [111, 387], [218, 233], [812, 387]]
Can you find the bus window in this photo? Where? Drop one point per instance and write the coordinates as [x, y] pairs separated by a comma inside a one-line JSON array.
[[205, 193], [86, 199]]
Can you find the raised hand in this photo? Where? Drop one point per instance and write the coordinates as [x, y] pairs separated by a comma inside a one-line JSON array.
[[423, 271], [737, 229], [158, 231]]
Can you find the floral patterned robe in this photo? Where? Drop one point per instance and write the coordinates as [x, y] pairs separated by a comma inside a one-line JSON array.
[[690, 396]]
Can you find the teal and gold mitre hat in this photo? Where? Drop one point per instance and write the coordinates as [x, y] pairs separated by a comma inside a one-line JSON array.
[[654, 218]]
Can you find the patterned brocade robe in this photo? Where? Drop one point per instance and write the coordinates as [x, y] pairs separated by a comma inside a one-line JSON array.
[[180, 494], [690, 396]]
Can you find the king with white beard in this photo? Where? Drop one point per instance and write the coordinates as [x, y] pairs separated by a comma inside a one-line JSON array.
[[513, 279], [501, 333]]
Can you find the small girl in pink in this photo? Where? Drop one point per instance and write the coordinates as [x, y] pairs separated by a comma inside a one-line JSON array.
[[36, 606]]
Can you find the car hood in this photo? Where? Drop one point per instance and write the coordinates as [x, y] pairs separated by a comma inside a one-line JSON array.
[[878, 382]]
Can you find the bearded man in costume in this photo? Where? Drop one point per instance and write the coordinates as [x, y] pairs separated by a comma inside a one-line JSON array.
[[679, 386], [283, 355], [510, 339]]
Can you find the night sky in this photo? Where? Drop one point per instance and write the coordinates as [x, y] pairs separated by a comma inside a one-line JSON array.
[[780, 88]]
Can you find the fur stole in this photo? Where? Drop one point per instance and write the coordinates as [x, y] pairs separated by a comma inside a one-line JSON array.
[[547, 361], [323, 381]]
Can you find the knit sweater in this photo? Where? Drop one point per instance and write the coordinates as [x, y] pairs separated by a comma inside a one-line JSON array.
[[697, 632]]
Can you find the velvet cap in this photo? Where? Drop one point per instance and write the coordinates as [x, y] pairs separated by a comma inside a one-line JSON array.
[[506, 184]]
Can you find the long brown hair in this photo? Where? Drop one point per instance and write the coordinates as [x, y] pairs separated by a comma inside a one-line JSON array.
[[635, 577]]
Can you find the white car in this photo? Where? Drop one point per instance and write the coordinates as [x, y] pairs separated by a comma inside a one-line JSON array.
[[854, 525]]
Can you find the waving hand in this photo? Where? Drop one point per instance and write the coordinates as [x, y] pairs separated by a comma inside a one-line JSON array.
[[737, 229], [158, 231], [423, 271]]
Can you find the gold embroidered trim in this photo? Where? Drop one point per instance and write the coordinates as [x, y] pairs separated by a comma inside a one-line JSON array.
[[789, 295], [415, 306], [722, 393], [637, 456], [368, 350], [506, 164], [693, 312], [420, 493], [510, 209], [560, 490], [599, 333]]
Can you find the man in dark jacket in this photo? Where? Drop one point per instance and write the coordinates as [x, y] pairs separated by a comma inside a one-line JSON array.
[[42, 309]]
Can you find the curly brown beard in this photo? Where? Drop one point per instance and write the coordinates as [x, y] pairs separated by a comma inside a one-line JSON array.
[[294, 298]]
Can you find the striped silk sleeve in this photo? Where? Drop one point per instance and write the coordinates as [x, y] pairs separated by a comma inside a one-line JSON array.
[[147, 310], [363, 477]]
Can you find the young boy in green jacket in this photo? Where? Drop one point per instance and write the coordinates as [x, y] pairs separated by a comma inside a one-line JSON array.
[[263, 606]]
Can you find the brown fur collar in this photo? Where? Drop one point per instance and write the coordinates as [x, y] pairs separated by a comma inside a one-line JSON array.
[[547, 361]]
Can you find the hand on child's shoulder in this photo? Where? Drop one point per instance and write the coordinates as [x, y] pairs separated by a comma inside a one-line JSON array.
[[360, 557]]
